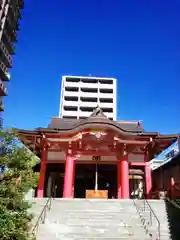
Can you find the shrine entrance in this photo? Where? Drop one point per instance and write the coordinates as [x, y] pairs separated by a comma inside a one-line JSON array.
[[54, 180], [95, 177]]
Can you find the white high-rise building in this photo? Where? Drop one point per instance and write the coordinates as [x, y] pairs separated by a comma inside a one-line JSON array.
[[80, 95]]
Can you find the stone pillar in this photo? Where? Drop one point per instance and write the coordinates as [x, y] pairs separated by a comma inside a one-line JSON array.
[[148, 179], [40, 189], [119, 180], [124, 165], [69, 177]]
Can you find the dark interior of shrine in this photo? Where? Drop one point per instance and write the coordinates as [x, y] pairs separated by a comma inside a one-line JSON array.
[[85, 179], [54, 180]]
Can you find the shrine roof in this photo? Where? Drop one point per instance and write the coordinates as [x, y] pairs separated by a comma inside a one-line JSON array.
[[67, 124], [96, 117], [98, 120], [132, 132]]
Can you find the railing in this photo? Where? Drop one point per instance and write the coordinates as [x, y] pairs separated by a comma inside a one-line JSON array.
[[42, 216], [147, 219]]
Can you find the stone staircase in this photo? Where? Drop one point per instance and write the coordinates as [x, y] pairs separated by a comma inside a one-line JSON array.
[[90, 219], [159, 207]]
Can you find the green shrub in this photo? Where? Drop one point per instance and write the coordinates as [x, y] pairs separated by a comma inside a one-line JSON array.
[[16, 180]]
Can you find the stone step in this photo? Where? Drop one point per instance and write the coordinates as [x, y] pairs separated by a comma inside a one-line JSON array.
[[98, 219], [88, 232]]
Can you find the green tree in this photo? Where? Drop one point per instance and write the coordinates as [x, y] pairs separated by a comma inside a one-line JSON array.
[[18, 177]]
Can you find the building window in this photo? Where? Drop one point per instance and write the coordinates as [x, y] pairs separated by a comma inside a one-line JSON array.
[[71, 89], [70, 108], [88, 99], [107, 110], [87, 109], [106, 100], [89, 80], [106, 81], [70, 98], [69, 79], [106, 90], [89, 90]]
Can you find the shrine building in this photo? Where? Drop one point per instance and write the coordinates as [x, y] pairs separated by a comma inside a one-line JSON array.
[[95, 157]]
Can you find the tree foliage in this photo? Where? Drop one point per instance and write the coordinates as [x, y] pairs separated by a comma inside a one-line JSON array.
[[18, 177]]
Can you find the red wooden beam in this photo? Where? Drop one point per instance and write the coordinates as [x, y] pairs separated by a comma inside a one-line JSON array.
[[56, 150], [56, 143], [81, 162], [55, 161], [93, 162], [95, 153], [122, 141], [62, 136], [137, 164], [100, 162]]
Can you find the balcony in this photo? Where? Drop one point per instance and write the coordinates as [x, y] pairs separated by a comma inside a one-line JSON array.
[[18, 12], [106, 105], [83, 114], [107, 95], [21, 4], [70, 103], [1, 1], [69, 113], [72, 84], [4, 74], [3, 89], [88, 94], [1, 109], [11, 28], [8, 43], [105, 86], [7, 57], [85, 104], [12, 14], [88, 85], [70, 94]]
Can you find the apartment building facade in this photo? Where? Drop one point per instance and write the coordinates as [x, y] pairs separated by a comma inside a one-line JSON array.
[[10, 14], [81, 95]]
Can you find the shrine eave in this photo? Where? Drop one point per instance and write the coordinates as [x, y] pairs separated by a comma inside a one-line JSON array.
[[154, 137]]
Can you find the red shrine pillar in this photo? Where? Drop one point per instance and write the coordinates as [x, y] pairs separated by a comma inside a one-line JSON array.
[[148, 179], [40, 189], [124, 176], [68, 190]]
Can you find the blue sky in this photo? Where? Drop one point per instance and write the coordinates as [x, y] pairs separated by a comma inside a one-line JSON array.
[[137, 42]]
